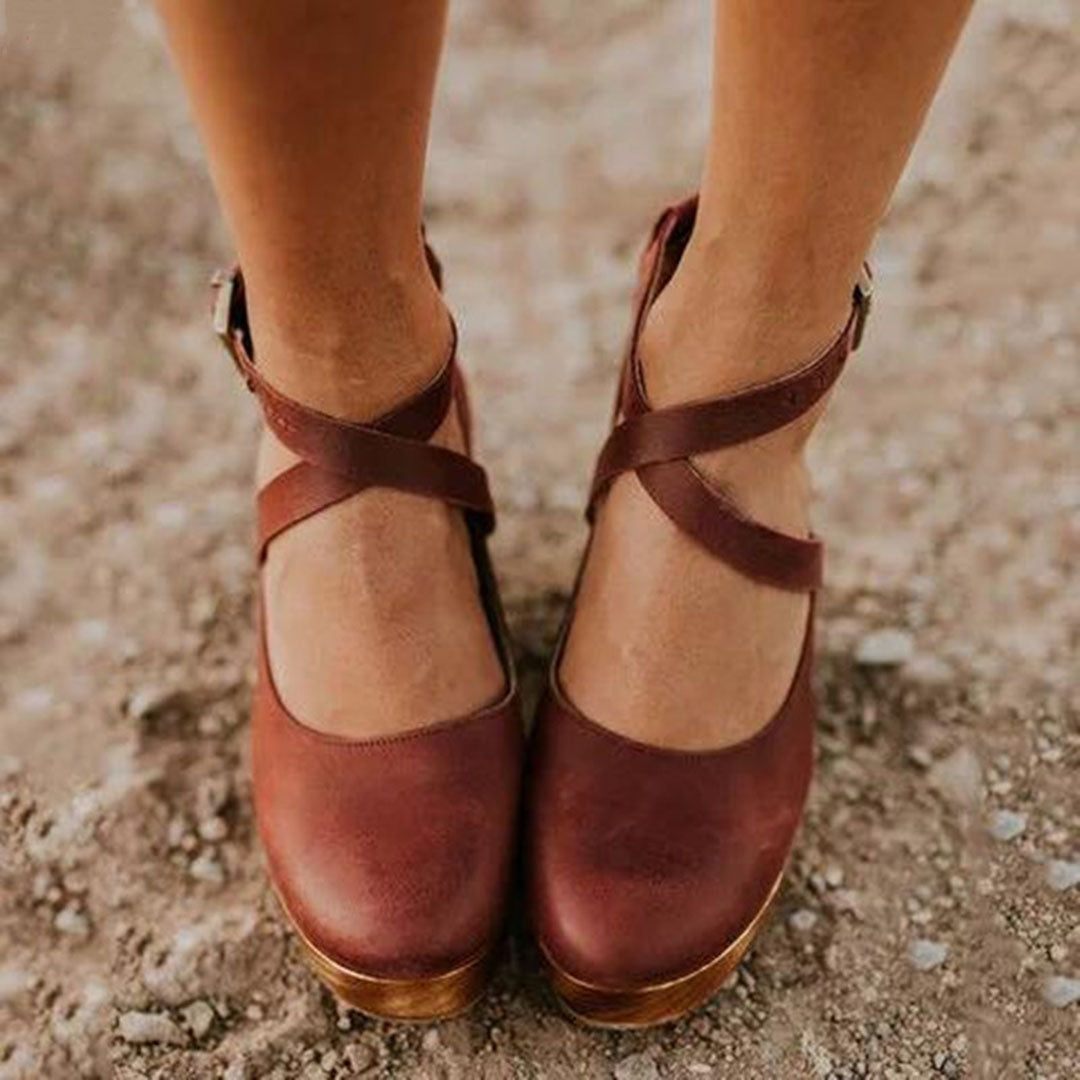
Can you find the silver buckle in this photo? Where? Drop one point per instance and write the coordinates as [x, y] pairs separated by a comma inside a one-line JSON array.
[[864, 295], [223, 283]]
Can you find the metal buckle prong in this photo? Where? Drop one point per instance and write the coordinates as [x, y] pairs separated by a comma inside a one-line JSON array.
[[864, 295]]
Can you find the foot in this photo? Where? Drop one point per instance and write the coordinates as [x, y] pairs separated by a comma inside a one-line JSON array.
[[374, 621], [669, 645]]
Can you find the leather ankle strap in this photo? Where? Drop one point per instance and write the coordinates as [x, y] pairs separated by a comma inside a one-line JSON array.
[[342, 457], [657, 444]]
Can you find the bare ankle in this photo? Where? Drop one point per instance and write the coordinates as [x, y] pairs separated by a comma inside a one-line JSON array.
[[731, 318], [355, 353]]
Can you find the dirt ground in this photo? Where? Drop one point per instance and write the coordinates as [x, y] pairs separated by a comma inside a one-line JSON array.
[[931, 922]]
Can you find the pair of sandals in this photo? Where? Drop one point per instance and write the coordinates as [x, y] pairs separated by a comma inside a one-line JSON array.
[[649, 870]]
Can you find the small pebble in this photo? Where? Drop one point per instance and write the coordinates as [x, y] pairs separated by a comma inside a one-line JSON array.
[[207, 868], [957, 778], [1007, 825], [920, 756], [1061, 875], [72, 922], [213, 829], [145, 1027], [885, 648], [637, 1067], [1060, 991], [926, 955], [199, 1018], [802, 921], [360, 1057]]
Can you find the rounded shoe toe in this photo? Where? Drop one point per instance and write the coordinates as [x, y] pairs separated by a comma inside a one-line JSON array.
[[391, 857]]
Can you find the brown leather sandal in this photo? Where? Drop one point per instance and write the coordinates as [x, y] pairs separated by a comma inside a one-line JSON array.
[[651, 870], [390, 856]]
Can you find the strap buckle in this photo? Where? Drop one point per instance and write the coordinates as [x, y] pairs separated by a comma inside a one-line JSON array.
[[863, 295], [224, 283]]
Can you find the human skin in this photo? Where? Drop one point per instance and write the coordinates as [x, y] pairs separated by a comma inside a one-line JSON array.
[[315, 118], [815, 107]]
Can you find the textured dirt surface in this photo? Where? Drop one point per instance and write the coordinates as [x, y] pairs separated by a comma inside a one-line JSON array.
[[931, 922]]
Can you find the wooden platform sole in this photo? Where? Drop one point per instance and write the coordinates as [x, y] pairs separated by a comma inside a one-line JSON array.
[[659, 1003], [436, 997]]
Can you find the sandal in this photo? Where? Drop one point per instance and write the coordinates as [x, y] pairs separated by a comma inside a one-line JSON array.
[[652, 869], [390, 856]]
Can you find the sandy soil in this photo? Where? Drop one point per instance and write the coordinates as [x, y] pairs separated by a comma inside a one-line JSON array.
[[931, 923]]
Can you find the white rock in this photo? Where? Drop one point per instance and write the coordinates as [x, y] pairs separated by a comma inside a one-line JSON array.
[[637, 1067], [885, 648], [72, 922], [213, 829], [802, 921], [1060, 991], [958, 777], [1007, 825], [1061, 875], [207, 868], [199, 1017], [145, 1027], [926, 955]]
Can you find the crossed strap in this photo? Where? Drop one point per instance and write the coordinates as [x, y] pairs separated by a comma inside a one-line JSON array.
[[340, 458], [657, 444]]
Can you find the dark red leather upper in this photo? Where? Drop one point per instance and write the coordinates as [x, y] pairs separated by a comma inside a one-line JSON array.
[[392, 855], [646, 863]]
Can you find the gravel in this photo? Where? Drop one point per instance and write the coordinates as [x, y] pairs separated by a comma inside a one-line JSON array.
[[946, 489], [803, 920], [1061, 875], [147, 1027], [1006, 825], [925, 955], [957, 778], [885, 648], [637, 1067], [199, 1018], [1060, 992], [72, 922]]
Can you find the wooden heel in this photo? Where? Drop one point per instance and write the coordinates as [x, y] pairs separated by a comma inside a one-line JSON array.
[[426, 999], [658, 1003]]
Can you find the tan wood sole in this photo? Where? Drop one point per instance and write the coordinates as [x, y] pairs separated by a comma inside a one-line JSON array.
[[436, 997], [658, 1003]]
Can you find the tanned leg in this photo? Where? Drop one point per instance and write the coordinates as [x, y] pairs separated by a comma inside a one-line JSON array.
[[315, 117], [815, 107]]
